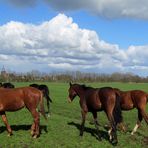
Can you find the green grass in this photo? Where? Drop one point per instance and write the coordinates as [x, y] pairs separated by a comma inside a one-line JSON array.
[[65, 120]]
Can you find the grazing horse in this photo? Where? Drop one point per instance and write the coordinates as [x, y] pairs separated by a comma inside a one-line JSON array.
[[98, 99], [134, 99], [17, 98], [7, 85], [45, 91]]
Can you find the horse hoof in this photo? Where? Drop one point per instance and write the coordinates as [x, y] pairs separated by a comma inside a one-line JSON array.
[[91, 122], [35, 136], [48, 115], [99, 138], [114, 142], [32, 133], [10, 134], [132, 134]]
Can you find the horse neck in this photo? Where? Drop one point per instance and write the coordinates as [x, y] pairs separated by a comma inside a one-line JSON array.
[[80, 92]]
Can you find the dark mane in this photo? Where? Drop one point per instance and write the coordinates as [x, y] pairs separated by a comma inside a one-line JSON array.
[[86, 87], [83, 86]]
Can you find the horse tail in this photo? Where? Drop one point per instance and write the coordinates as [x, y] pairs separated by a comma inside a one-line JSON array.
[[117, 113], [48, 98], [47, 94], [47, 90], [42, 109]]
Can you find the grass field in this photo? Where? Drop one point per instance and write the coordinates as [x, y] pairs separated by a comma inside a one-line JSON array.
[[63, 125]]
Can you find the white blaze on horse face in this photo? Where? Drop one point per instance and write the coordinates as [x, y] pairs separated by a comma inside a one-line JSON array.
[[135, 129]]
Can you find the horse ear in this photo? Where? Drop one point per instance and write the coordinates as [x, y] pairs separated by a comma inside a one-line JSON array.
[[70, 83]]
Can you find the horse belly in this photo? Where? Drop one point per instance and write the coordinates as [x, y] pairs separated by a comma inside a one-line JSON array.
[[95, 107], [127, 106], [13, 106]]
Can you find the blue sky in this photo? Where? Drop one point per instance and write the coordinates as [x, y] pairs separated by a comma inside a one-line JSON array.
[[115, 24], [123, 31]]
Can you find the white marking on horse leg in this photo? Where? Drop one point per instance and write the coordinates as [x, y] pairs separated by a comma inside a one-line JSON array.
[[135, 129], [48, 115], [109, 133]]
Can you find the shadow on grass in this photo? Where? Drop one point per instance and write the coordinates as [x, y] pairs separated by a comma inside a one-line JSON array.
[[22, 127], [93, 132]]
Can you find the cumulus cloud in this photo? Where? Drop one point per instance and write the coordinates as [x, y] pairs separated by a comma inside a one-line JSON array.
[[60, 44]]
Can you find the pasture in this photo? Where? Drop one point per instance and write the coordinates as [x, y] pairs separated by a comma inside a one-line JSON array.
[[63, 125]]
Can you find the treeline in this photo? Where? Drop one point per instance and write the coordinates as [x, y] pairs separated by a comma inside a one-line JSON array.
[[72, 76]]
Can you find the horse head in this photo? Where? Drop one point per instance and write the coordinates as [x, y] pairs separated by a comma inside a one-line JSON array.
[[72, 92]]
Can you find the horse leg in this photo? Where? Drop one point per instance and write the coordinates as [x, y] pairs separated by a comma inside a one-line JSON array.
[[96, 124], [141, 114], [83, 122], [4, 118], [35, 126], [144, 115], [32, 129], [112, 130], [138, 122]]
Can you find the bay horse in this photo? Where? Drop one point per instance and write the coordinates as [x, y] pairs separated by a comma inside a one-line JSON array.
[[45, 90], [17, 98], [94, 100], [134, 99]]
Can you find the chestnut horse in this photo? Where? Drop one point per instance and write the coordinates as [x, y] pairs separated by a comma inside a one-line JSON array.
[[98, 99], [45, 90], [17, 98], [134, 99]]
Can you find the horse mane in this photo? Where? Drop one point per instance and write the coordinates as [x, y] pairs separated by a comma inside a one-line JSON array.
[[86, 87], [83, 86]]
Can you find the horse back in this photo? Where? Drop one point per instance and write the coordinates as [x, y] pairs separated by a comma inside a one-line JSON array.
[[97, 98], [106, 92], [17, 98], [133, 98]]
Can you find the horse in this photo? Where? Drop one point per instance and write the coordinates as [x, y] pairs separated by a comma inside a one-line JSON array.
[[7, 85], [134, 99], [94, 100], [17, 98], [45, 90]]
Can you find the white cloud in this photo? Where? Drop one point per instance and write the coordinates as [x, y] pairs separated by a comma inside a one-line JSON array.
[[60, 44], [137, 58], [105, 8], [3, 57]]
